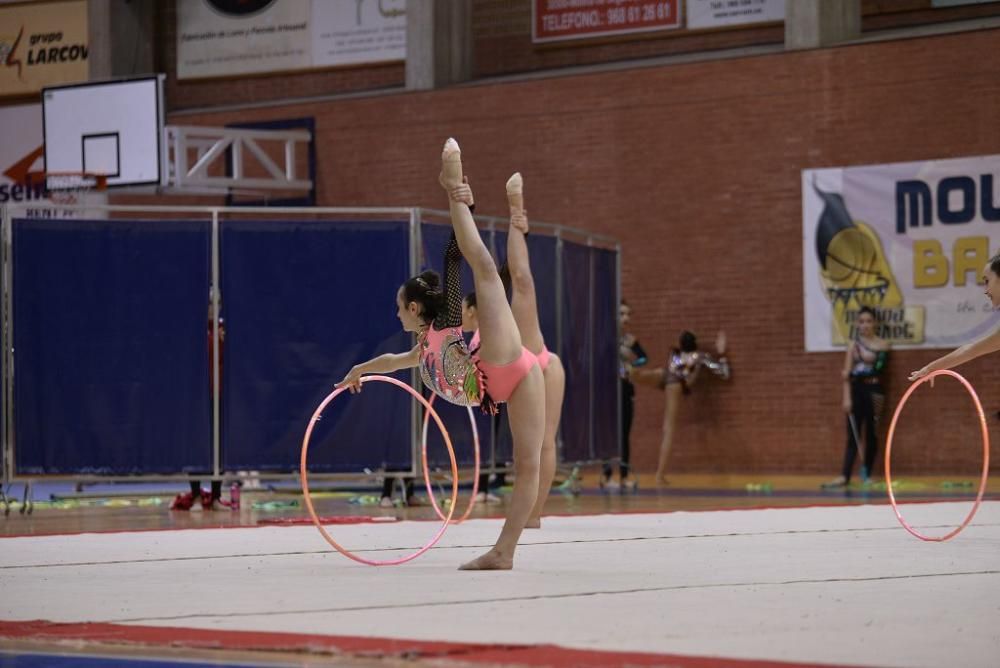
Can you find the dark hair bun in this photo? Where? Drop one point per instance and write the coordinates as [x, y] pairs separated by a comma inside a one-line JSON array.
[[425, 289], [431, 278]]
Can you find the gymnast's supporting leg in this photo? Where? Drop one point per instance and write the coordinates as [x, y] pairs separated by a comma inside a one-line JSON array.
[[524, 306], [555, 388], [674, 394]]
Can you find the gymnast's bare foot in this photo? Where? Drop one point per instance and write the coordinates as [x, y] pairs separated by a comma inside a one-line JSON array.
[[451, 165], [515, 193], [661, 481], [533, 523], [491, 561]]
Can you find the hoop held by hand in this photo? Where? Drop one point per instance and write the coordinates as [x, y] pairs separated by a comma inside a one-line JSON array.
[[986, 454], [303, 469]]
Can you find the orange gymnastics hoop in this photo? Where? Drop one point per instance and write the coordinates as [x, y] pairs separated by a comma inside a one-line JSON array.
[[303, 469], [986, 455], [427, 472]]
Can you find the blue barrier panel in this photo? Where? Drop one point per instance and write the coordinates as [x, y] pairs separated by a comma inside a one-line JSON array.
[[577, 336], [304, 302], [3, 391], [605, 332], [111, 366], [543, 269]]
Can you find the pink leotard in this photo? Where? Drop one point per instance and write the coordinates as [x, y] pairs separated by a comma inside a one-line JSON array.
[[503, 379], [448, 368], [543, 358]]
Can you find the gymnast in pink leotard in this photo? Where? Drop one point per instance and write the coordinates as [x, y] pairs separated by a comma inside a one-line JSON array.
[[447, 366], [524, 306], [451, 369], [500, 370]]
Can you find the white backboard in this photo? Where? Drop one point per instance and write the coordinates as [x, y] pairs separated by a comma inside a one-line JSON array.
[[111, 127]]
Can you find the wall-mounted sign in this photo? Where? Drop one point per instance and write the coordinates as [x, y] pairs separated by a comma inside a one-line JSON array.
[[42, 44], [557, 20]]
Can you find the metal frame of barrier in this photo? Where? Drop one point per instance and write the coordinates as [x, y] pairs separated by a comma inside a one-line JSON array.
[[415, 216]]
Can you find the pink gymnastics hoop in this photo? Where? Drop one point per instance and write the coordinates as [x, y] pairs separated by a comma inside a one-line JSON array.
[[986, 455], [475, 474], [305, 475]]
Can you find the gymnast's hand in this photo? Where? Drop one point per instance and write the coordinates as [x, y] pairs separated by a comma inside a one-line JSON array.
[[352, 381], [519, 221], [920, 373], [463, 193]]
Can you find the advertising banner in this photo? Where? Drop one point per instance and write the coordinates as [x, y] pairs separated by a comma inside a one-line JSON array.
[[556, 20], [908, 239], [354, 33], [22, 152], [217, 38], [42, 44], [722, 13]]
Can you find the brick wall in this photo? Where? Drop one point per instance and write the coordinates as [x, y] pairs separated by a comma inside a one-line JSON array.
[[696, 168], [502, 35], [502, 42]]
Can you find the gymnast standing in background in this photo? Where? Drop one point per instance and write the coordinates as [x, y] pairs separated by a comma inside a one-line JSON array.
[[630, 355], [863, 396]]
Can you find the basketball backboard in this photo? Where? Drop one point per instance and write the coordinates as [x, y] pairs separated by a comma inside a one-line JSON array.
[[111, 127]]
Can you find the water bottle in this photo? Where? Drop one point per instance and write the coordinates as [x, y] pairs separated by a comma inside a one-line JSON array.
[[234, 496]]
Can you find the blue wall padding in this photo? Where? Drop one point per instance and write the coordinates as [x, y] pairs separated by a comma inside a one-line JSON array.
[[303, 303], [577, 334], [605, 332], [110, 338]]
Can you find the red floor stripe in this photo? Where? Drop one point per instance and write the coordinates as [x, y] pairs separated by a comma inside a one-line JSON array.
[[511, 655]]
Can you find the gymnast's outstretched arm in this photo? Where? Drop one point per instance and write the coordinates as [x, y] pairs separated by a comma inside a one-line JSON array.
[[386, 363], [970, 351]]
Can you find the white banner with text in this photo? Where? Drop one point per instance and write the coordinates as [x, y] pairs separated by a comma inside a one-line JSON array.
[[216, 38], [723, 13]]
